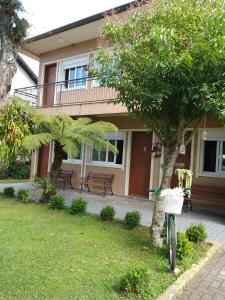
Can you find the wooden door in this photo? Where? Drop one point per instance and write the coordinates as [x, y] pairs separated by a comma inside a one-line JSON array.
[[49, 89], [43, 158], [140, 163]]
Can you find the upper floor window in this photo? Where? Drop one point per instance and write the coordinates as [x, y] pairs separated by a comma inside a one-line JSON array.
[[213, 153], [75, 73]]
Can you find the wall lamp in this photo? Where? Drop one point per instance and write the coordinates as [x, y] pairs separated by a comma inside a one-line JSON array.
[[157, 149]]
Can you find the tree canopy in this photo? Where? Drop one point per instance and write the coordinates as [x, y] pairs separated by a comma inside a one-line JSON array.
[[167, 62]]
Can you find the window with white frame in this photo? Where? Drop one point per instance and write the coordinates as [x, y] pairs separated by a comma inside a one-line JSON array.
[[213, 153], [106, 156], [68, 157], [75, 73]]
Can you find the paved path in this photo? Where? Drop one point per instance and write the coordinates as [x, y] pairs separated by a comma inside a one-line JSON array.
[[209, 283], [214, 223]]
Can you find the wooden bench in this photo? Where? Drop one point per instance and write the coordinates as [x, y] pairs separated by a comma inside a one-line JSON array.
[[105, 180], [65, 176]]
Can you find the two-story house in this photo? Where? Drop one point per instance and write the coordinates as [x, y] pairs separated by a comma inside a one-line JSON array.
[[65, 55]]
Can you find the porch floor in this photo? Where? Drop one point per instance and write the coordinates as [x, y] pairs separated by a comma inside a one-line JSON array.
[[214, 222]]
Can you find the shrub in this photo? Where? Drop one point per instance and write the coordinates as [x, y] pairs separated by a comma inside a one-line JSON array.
[[136, 281], [78, 206], [196, 233], [48, 189], [132, 219], [107, 213], [19, 170], [184, 246], [23, 195], [56, 202], [3, 173], [9, 191]]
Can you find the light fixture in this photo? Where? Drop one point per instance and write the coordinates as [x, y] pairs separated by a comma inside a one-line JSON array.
[[157, 149], [61, 40]]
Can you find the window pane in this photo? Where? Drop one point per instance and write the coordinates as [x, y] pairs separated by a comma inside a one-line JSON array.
[[119, 157], [210, 148], [71, 77], [95, 155], [103, 156], [66, 77], [80, 74], [65, 156], [223, 157], [111, 154], [79, 156]]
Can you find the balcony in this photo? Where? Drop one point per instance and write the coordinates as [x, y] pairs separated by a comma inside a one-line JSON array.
[[66, 93]]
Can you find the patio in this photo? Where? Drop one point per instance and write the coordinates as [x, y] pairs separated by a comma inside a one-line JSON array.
[[214, 222]]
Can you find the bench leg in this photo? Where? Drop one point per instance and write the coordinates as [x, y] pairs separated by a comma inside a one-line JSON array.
[[111, 190], [64, 184], [71, 184]]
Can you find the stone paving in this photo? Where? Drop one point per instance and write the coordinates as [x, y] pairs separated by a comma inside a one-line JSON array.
[[214, 223], [209, 283]]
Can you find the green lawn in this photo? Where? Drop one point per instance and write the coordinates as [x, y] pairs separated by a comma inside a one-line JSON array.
[[13, 180], [47, 254]]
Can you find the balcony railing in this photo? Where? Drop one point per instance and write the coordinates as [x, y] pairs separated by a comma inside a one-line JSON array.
[[71, 92]]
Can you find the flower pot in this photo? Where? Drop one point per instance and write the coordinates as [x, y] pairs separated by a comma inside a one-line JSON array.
[[172, 200]]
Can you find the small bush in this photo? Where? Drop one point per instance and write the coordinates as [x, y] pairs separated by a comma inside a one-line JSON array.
[[132, 219], [23, 195], [3, 173], [184, 246], [19, 170], [136, 281], [56, 202], [78, 206], [107, 213], [196, 233], [9, 191]]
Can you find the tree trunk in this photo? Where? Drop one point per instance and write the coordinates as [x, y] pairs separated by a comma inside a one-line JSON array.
[[7, 72], [57, 163], [7, 66], [170, 155]]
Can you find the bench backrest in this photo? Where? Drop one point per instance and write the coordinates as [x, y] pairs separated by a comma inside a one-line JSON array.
[[65, 173], [100, 177]]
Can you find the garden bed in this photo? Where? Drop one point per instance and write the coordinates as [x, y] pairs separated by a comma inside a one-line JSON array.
[[50, 254]]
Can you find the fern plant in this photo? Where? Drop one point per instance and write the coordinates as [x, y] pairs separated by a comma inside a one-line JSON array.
[[68, 134]]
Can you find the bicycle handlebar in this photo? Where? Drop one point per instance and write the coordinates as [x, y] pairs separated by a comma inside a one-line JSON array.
[[158, 191]]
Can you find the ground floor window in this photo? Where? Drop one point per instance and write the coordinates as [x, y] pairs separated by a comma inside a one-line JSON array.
[[69, 158], [108, 157], [213, 153]]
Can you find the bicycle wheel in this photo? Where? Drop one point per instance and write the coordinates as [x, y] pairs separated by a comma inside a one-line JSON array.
[[172, 243]]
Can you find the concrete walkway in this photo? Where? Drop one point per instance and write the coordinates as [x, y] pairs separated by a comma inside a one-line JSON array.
[[214, 223], [209, 283]]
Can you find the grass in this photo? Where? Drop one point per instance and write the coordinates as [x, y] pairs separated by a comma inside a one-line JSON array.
[[49, 254], [9, 180]]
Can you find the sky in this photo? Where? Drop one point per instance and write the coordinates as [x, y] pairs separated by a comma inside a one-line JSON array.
[[44, 15]]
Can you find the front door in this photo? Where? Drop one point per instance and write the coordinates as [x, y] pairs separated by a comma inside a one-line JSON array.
[[49, 89], [140, 163], [43, 158]]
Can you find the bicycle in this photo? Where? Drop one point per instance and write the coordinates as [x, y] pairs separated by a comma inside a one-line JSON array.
[[171, 236]]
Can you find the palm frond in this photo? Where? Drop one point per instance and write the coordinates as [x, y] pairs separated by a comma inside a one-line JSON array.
[[35, 141]]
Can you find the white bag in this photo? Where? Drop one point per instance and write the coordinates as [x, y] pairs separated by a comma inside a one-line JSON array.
[[172, 200]]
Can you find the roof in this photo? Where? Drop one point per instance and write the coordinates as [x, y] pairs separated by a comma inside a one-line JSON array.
[[70, 34], [26, 68]]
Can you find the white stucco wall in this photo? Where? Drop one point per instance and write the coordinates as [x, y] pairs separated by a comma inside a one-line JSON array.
[[20, 79]]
